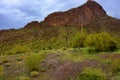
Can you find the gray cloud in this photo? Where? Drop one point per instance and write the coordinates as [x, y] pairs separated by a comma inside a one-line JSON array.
[[16, 13]]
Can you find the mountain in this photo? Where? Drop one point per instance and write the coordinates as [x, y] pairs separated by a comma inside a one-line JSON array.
[[91, 15], [84, 14], [55, 49], [59, 28]]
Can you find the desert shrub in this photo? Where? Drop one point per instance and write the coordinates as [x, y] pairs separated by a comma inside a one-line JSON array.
[[90, 74], [34, 73], [53, 43], [101, 42], [37, 45], [18, 48], [33, 61], [88, 50], [78, 40], [1, 70]]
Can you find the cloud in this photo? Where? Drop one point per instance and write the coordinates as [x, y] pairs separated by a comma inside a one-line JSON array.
[[111, 7], [17, 13], [12, 3]]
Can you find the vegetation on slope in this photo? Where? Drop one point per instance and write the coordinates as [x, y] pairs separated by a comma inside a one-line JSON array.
[[59, 53], [43, 52], [60, 64], [36, 39]]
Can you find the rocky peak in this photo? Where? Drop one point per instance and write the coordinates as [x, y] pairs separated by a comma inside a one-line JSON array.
[[84, 14], [32, 24], [89, 0], [95, 8]]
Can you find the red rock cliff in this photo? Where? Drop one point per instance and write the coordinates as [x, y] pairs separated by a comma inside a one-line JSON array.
[[84, 14]]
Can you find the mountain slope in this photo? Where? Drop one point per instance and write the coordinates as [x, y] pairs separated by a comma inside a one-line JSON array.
[[89, 14], [45, 50], [58, 29]]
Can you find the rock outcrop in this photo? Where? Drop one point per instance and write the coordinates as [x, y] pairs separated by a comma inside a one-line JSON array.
[[32, 24], [90, 15], [84, 14]]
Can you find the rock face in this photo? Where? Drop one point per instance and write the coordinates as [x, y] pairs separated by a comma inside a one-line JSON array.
[[89, 14], [32, 24], [81, 15], [84, 14]]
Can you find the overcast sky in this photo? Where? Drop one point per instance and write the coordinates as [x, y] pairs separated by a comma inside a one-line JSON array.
[[17, 13]]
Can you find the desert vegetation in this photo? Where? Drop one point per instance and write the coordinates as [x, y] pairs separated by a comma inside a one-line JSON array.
[[35, 40], [82, 43], [65, 53]]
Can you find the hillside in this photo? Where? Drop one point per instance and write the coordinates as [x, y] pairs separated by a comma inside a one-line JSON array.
[[60, 65], [60, 25], [82, 43]]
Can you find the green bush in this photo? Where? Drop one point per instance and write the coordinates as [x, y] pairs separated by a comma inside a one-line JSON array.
[[33, 61], [78, 40], [37, 45], [53, 43], [34, 73], [20, 49], [90, 74], [101, 42], [88, 50]]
